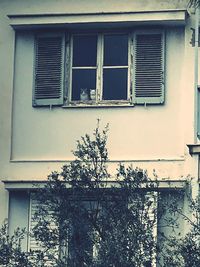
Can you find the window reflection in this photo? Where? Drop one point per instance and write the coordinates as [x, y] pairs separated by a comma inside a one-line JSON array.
[[84, 50], [116, 50], [115, 84], [111, 64]]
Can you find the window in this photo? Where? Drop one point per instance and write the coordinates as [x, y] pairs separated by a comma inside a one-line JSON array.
[[99, 68], [92, 226], [95, 72], [77, 242]]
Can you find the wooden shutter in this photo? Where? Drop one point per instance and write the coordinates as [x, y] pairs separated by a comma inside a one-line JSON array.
[[153, 197], [36, 245], [49, 70], [33, 244], [151, 210], [148, 69]]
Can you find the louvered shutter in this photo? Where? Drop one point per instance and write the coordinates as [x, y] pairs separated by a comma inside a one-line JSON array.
[[152, 210], [49, 70], [148, 69], [34, 245]]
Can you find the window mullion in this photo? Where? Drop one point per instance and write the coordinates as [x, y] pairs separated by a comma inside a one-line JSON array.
[[131, 67], [70, 72], [67, 67], [100, 67], [116, 67]]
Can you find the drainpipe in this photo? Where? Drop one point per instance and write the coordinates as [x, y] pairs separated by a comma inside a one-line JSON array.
[[196, 95], [194, 182]]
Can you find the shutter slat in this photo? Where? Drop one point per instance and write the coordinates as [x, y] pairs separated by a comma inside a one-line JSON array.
[[148, 78], [49, 62]]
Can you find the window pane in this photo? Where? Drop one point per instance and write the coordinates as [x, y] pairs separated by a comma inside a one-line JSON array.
[[116, 50], [83, 79], [115, 84], [80, 245], [81, 235], [84, 50]]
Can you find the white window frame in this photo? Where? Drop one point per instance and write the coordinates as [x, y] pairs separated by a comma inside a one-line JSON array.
[[99, 70]]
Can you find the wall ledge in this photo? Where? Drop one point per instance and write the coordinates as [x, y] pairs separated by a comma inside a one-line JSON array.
[[194, 149], [67, 20], [35, 184]]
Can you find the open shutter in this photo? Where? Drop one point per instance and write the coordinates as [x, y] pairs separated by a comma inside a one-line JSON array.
[[148, 79], [35, 245], [152, 210], [49, 70], [148, 220]]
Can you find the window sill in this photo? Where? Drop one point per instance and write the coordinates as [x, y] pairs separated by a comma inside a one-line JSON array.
[[102, 104], [35, 184]]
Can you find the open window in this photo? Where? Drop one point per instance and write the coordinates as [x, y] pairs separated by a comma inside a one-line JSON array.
[[75, 246], [99, 68], [94, 227]]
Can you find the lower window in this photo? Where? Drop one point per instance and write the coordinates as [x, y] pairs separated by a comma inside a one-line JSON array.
[[85, 232]]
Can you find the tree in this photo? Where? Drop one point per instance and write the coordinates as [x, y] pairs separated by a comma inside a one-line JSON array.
[[88, 219], [11, 253], [185, 251], [194, 3]]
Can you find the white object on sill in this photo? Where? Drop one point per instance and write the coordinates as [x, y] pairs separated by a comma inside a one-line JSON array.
[[92, 94]]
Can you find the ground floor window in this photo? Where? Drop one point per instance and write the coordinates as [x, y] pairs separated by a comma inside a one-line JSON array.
[[110, 226]]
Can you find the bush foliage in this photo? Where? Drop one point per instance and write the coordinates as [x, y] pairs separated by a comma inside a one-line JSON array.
[[89, 218]]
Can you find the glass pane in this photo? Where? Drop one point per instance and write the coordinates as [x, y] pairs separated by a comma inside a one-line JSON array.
[[80, 245], [82, 82], [84, 50], [115, 84], [116, 50]]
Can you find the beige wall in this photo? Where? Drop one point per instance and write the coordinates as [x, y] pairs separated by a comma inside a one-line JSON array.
[[151, 132], [84, 6], [152, 137], [136, 133]]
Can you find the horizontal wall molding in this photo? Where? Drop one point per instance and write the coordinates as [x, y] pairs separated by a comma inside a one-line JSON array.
[[34, 184], [109, 161], [162, 17]]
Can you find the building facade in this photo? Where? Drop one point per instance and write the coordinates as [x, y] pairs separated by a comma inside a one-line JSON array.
[[65, 64]]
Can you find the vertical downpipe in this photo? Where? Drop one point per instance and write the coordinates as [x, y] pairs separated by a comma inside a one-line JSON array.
[[195, 182], [196, 95]]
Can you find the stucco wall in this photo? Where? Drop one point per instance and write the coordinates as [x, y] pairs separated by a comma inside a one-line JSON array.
[[152, 137], [84, 6], [151, 132]]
